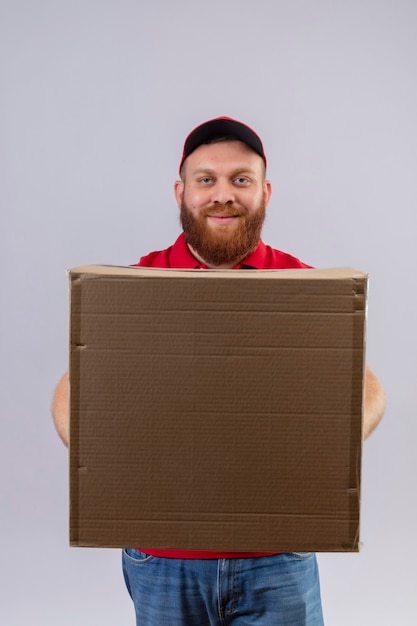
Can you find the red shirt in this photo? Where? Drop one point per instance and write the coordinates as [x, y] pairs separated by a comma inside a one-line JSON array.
[[179, 256]]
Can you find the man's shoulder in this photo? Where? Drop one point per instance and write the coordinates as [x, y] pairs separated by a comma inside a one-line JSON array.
[[176, 255], [265, 257], [157, 258], [284, 260]]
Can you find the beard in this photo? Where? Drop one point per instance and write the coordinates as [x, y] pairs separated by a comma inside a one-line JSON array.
[[223, 245]]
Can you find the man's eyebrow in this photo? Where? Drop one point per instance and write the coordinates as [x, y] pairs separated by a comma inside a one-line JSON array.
[[202, 170], [234, 172]]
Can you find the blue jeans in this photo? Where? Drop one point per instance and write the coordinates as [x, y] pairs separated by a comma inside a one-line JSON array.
[[278, 590]]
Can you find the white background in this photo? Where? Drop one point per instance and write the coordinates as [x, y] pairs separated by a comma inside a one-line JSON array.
[[96, 100]]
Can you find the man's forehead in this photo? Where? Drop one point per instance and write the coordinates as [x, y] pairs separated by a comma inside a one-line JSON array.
[[230, 154]]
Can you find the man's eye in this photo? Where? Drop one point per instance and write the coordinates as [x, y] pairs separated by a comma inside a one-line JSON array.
[[205, 180], [241, 180]]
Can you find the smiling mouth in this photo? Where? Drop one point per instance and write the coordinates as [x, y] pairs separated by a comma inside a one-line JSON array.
[[222, 218]]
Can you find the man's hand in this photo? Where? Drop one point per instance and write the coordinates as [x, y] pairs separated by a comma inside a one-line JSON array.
[[60, 409], [374, 403]]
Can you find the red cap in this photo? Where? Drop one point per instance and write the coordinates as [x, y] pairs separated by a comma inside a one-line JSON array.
[[222, 127]]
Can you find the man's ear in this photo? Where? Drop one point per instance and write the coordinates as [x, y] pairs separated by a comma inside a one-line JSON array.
[[179, 192], [267, 192]]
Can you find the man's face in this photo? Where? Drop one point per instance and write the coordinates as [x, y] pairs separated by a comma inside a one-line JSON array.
[[222, 198]]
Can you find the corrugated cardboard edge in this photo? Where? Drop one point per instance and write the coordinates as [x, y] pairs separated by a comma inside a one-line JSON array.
[[95, 271]]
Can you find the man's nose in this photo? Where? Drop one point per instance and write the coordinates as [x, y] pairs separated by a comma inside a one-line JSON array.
[[223, 193]]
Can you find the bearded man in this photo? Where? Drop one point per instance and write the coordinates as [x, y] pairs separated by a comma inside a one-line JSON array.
[[222, 196]]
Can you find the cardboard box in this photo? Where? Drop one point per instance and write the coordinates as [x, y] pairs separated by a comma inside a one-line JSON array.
[[216, 409]]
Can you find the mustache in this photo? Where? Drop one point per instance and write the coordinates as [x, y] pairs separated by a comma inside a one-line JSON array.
[[224, 210]]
